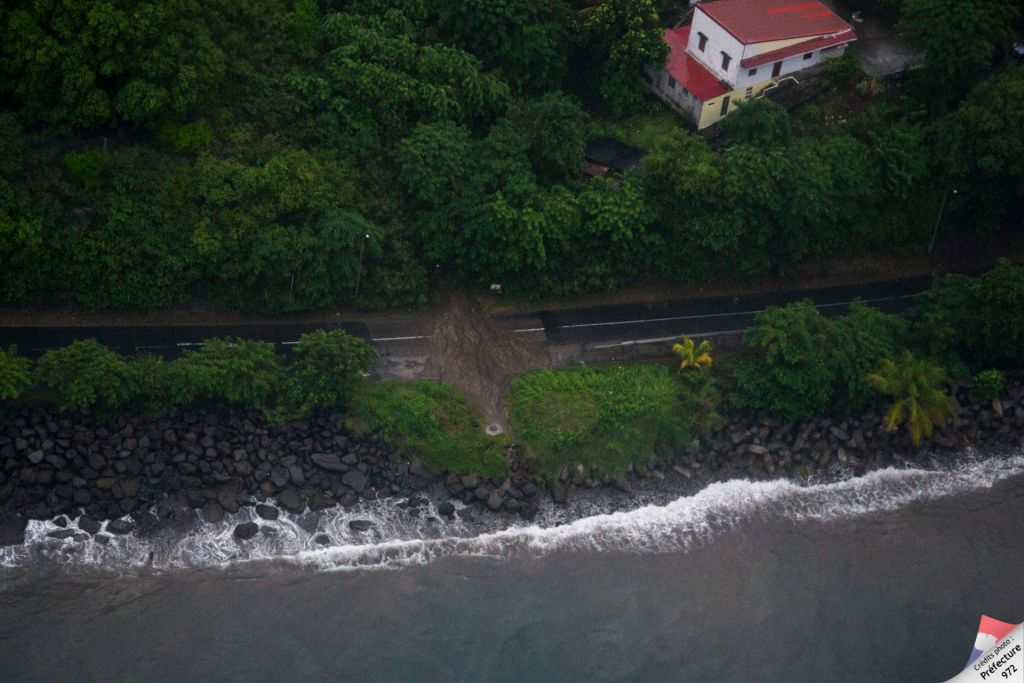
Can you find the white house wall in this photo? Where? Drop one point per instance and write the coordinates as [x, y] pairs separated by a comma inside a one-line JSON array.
[[719, 41], [677, 97]]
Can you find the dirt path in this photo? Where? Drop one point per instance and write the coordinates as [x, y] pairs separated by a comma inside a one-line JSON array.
[[480, 355]]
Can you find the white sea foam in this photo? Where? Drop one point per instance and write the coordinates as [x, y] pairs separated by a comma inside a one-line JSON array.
[[402, 538]]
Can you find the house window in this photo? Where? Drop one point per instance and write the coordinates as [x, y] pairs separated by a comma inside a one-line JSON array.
[[808, 56], [752, 72], [671, 82], [725, 61], [702, 41]]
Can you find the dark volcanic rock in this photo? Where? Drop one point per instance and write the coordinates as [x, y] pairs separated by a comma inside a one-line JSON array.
[[360, 525], [120, 526], [62, 533], [447, 509], [328, 461], [267, 511], [88, 524], [322, 539], [354, 480], [212, 512], [291, 500], [246, 530]]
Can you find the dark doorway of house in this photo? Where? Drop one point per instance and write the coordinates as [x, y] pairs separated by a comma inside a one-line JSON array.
[[725, 106], [777, 69]]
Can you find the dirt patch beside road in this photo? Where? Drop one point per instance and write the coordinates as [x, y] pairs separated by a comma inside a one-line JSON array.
[[479, 354]]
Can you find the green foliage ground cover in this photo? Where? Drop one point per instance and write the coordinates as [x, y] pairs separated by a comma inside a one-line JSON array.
[[606, 416], [432, 420]]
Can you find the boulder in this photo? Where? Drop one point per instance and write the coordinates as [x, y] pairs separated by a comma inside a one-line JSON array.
[[36, 457], [228, 499], [120, 526], [354, 480], [212, 512], [268, 512], [62, 533], [495, 500], [322, 539], [839, 433], [360, 525], [328, 461], [291, 500], [246, 530], [88, 524], [446, 509]]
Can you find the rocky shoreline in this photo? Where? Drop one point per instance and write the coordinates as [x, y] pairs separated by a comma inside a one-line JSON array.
[[137, 472]]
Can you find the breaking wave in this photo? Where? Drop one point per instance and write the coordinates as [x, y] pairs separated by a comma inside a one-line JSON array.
[[401, 535]]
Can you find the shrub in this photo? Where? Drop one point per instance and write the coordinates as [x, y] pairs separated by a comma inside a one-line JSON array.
[[608, 416], [432, 419], [858, 340], [841, 71], [159, 385], [14, 373], [980, 319], [988, 384], [85, 374], [326, 369], [791, 373], [240, 371]]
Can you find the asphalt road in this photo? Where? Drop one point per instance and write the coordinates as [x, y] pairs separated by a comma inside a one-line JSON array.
[[597, 326]]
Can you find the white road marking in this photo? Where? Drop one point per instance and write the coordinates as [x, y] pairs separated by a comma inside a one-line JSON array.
[[387, 339], [719, 315], [659, 340]]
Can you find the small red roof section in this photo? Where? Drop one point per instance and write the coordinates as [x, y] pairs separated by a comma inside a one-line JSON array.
[[690, 73], [806, 46], [757, 21]]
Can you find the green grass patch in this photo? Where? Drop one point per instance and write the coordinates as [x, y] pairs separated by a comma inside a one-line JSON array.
[[644, 129], [607, 416], [432, 419]]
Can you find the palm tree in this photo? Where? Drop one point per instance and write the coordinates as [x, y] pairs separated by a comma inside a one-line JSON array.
[[693, 355], [918, 391]]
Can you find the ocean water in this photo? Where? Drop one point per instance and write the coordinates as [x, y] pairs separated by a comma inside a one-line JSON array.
[[877, 578]]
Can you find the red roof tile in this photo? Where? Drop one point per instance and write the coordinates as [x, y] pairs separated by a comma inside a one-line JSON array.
[[690, 73], [806, 46], [756, 21]]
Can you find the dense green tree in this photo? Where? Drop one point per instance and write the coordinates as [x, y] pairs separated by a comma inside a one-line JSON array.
[[624, 35], [958, 38], [983, 153], [526, 41], [790, 374], [93, 63], [554, 130], [84, 375], [433, 161], [977, 320], [14, 373]]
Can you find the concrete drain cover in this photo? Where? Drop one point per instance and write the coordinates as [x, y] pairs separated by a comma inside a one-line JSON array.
[[493, 429]]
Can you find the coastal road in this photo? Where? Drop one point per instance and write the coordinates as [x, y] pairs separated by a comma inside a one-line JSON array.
[[603, 326]]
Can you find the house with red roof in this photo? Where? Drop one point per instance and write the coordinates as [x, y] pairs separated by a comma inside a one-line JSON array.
[[734, 49]]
